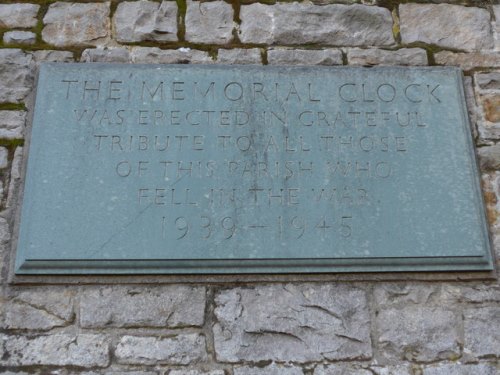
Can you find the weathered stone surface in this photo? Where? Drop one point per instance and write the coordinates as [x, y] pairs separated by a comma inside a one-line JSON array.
[[4, 231], [137, 21], [491, 107], [481, 293], [482, 331], [437, 24], [421, 334], [239, 56], [299, 23], [15, 177], [468, 61], [18, 15], [292, 323], [112, 54], [179, 350], [488, 81], [154, 55], [496, 25], [22, 316], [372, 56], [209, 22], [52, 56], [196, 372], [472, 107], [461, 369], [84, 350], [4, 157], [285, 56], [69, 24], [340, 370], [16, 75], [12, 124], [19, 37], [489, 157], [273, 368], [391, 370], [401, 294], [166, 306]]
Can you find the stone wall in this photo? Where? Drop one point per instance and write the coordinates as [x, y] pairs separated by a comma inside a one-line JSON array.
[[399, 324]]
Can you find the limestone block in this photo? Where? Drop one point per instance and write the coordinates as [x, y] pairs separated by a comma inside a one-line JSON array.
[[52, 56], [12, 124], [447, 26], [285, 56], [340, 370], [137, 21], [301, 23], [196, 372], [16, 75], [15, 177], [239, 56], [417, 333], [482, 331], [392, 370], [481, 293], [19, 37], [4, 231], [496, 25], [372, 56], [18, 15], [77, 24], [489, 157], [166, 306], [84, 350], [491, 107], [181, 349], [461, 369], [112, 54], [401, 294], [209, 22], [468, 61], [154, 55], [273, 368], [4, 157], [298, 323], [488, 81]]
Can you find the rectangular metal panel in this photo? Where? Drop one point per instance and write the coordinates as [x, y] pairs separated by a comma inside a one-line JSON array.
[[230, 169]]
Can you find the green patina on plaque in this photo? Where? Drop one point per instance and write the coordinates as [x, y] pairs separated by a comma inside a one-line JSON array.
[[232, 169]]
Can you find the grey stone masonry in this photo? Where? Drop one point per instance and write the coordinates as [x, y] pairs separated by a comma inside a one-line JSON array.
[[372, 56], [416, 333], [19, 37], [166, 306], [181, 349], [273, 368], [489, 157], [286, 56], [12, 124], [468, 61], [18, 15], [488, 81], [136, 21], [78, 24], [482, 331], [239, 56], [340, 370], [154, 55], [292, 323], [16, 75], [4, 157], [83, 350], [299, 23], [461, 369], [439, 25], [112, 54], [52, 56], [209, 22], [196, 372]]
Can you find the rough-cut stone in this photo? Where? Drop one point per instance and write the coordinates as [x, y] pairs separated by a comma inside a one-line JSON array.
[[496, 11], [209, 22], [22, 316], [468, 61], [69, 24], [53, 56], [300, 23], [112, 54], [239, 56], [154, 55], [19, 37], [4, 157], [391, 370], [372, 56], [298, 323], [177, 350], [491, 107], [196, 372], [12, 124], [472, 107], [437, 24], [84, 350], [166, 306], [285, 56], [18, 15], [483, 292], [340, 370], [15, 177], [401, 294], [16, 75], [4, 231], [488, 81], [482, 331], [137, 21], [489, 157], [461, 369], [421, 334], [273, 368]]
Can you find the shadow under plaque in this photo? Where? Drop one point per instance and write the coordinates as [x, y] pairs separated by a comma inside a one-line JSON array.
[[171, 169]]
